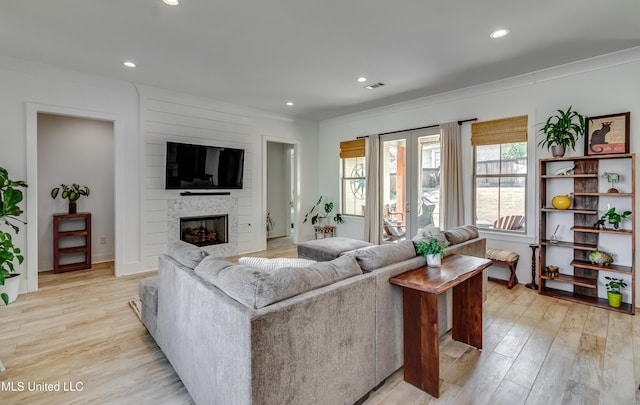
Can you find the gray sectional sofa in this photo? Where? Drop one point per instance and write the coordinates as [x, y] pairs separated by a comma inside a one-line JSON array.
[[326, 333]]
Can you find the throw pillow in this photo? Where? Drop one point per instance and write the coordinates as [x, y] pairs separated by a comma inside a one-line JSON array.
[[461, 234], [266, 264], [430, 230], [374, 257], [186, 254]]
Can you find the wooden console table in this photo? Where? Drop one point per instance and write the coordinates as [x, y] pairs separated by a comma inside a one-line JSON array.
[[421, 288]]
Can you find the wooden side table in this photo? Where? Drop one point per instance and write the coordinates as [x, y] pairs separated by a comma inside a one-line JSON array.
[[85, 231], [328, 231], [421, 288]]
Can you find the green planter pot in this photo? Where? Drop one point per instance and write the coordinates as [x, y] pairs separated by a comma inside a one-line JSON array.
[[614, 299]]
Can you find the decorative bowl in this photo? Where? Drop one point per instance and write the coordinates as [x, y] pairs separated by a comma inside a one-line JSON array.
[[552, 271], [600, 258]]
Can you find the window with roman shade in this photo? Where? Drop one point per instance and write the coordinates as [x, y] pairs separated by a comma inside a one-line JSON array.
[[353, 173]]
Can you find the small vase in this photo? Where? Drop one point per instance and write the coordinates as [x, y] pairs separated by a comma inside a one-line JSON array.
[[434, 260], [72, 208], [557, 151]]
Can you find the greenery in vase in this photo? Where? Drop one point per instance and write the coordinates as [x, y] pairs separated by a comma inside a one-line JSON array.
[[72, 192], [327, 208], [431, 246], [614, 284], [563, 129], [614, 218], [10, 197], [271, 223]]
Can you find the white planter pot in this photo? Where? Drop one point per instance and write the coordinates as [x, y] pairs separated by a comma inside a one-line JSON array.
[[11, 287], [434, 260]]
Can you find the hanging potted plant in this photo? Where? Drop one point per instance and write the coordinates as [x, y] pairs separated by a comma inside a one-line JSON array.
[[72, 193], [433, 249], [613, 290], [562, 130], [10, 197]]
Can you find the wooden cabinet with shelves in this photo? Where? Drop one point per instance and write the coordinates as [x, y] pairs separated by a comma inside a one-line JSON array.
[[75, 228], [578, 279]]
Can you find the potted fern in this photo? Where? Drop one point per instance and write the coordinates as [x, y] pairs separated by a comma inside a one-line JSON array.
[[433, 249], [562, 130], [10, 197], [72, 193]]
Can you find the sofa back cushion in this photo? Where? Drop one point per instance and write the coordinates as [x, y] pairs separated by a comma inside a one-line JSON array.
[[373, 257], [461, 234], [258, 288], [267, 264], [186, 254]]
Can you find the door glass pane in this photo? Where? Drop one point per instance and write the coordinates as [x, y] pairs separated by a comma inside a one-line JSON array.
[[393, 189], [429, 181]]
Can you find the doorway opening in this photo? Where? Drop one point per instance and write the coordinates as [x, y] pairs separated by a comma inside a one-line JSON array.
[[280, 185]]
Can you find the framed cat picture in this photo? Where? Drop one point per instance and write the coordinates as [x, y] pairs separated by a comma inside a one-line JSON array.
[[607, 134]]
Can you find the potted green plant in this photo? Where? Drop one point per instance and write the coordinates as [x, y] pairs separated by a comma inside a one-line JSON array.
[[562, 130], [317, 216], [72, 193], [271, 223], [433, 249], [10, 197], [615, 218], [613, 290]]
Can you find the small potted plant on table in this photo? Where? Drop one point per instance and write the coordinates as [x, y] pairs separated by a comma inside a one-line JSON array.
[[72, 193], [613, 290], [433, 249], [615, 218]]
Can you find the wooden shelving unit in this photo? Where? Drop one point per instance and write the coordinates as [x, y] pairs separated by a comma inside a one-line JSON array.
[[578, 282], [82, 232]]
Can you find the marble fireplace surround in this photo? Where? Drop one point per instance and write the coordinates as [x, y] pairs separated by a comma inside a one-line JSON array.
[[200, 206]]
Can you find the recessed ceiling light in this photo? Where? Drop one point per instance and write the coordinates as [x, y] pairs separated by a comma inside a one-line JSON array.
[[362, 79], [499, 33], [171, 2], [289, 103], [129, 64]]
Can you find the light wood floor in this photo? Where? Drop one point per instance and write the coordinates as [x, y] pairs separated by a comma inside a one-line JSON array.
[[79, 331]]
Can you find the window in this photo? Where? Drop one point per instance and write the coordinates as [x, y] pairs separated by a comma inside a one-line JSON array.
[[500, 174], [353, 170]]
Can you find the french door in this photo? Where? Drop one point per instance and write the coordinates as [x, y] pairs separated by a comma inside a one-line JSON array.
[[409, 183]]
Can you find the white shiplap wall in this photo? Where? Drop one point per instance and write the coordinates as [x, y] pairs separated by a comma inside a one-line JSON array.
[[167, 117]]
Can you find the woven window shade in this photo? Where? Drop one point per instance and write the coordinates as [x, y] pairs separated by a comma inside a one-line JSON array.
[[352, 149], [505, 130]]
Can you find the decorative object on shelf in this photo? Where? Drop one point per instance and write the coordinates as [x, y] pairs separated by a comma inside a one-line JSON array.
[[561, 202], [562, 130], [271, 223], [552, 271], [600, 258], [599, 224], [10, 197], [433, 249], [615, 218], [554, 238], [563, 171], [72, 193], [613, 290], [612, 178], [607, 134], [320, 216]]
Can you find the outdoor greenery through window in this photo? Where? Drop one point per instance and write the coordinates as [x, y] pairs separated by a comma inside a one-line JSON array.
[[500, 186], [353, 172]]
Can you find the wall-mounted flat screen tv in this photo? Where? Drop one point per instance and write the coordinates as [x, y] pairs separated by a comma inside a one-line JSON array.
[[203, 167]]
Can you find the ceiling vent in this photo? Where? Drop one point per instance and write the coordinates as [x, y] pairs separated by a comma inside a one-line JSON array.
[[374, 86]]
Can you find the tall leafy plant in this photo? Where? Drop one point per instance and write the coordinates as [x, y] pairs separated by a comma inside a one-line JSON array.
[[563, 129], [10, 197], [322, 210]]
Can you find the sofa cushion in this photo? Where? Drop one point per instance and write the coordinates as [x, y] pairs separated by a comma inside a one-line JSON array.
[[461, 234], [186, 254], [430, 230], [373, 257], [258, 288], [266, 264]]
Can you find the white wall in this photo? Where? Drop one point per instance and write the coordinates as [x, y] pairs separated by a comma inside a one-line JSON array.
[[277, 187], [598, 86], [29, 88], [75, 150]]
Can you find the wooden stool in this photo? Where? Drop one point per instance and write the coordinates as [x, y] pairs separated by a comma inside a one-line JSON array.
[[506, 258]]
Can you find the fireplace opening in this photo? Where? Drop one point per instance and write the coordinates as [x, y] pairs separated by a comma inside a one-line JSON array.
[[204, 231]]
